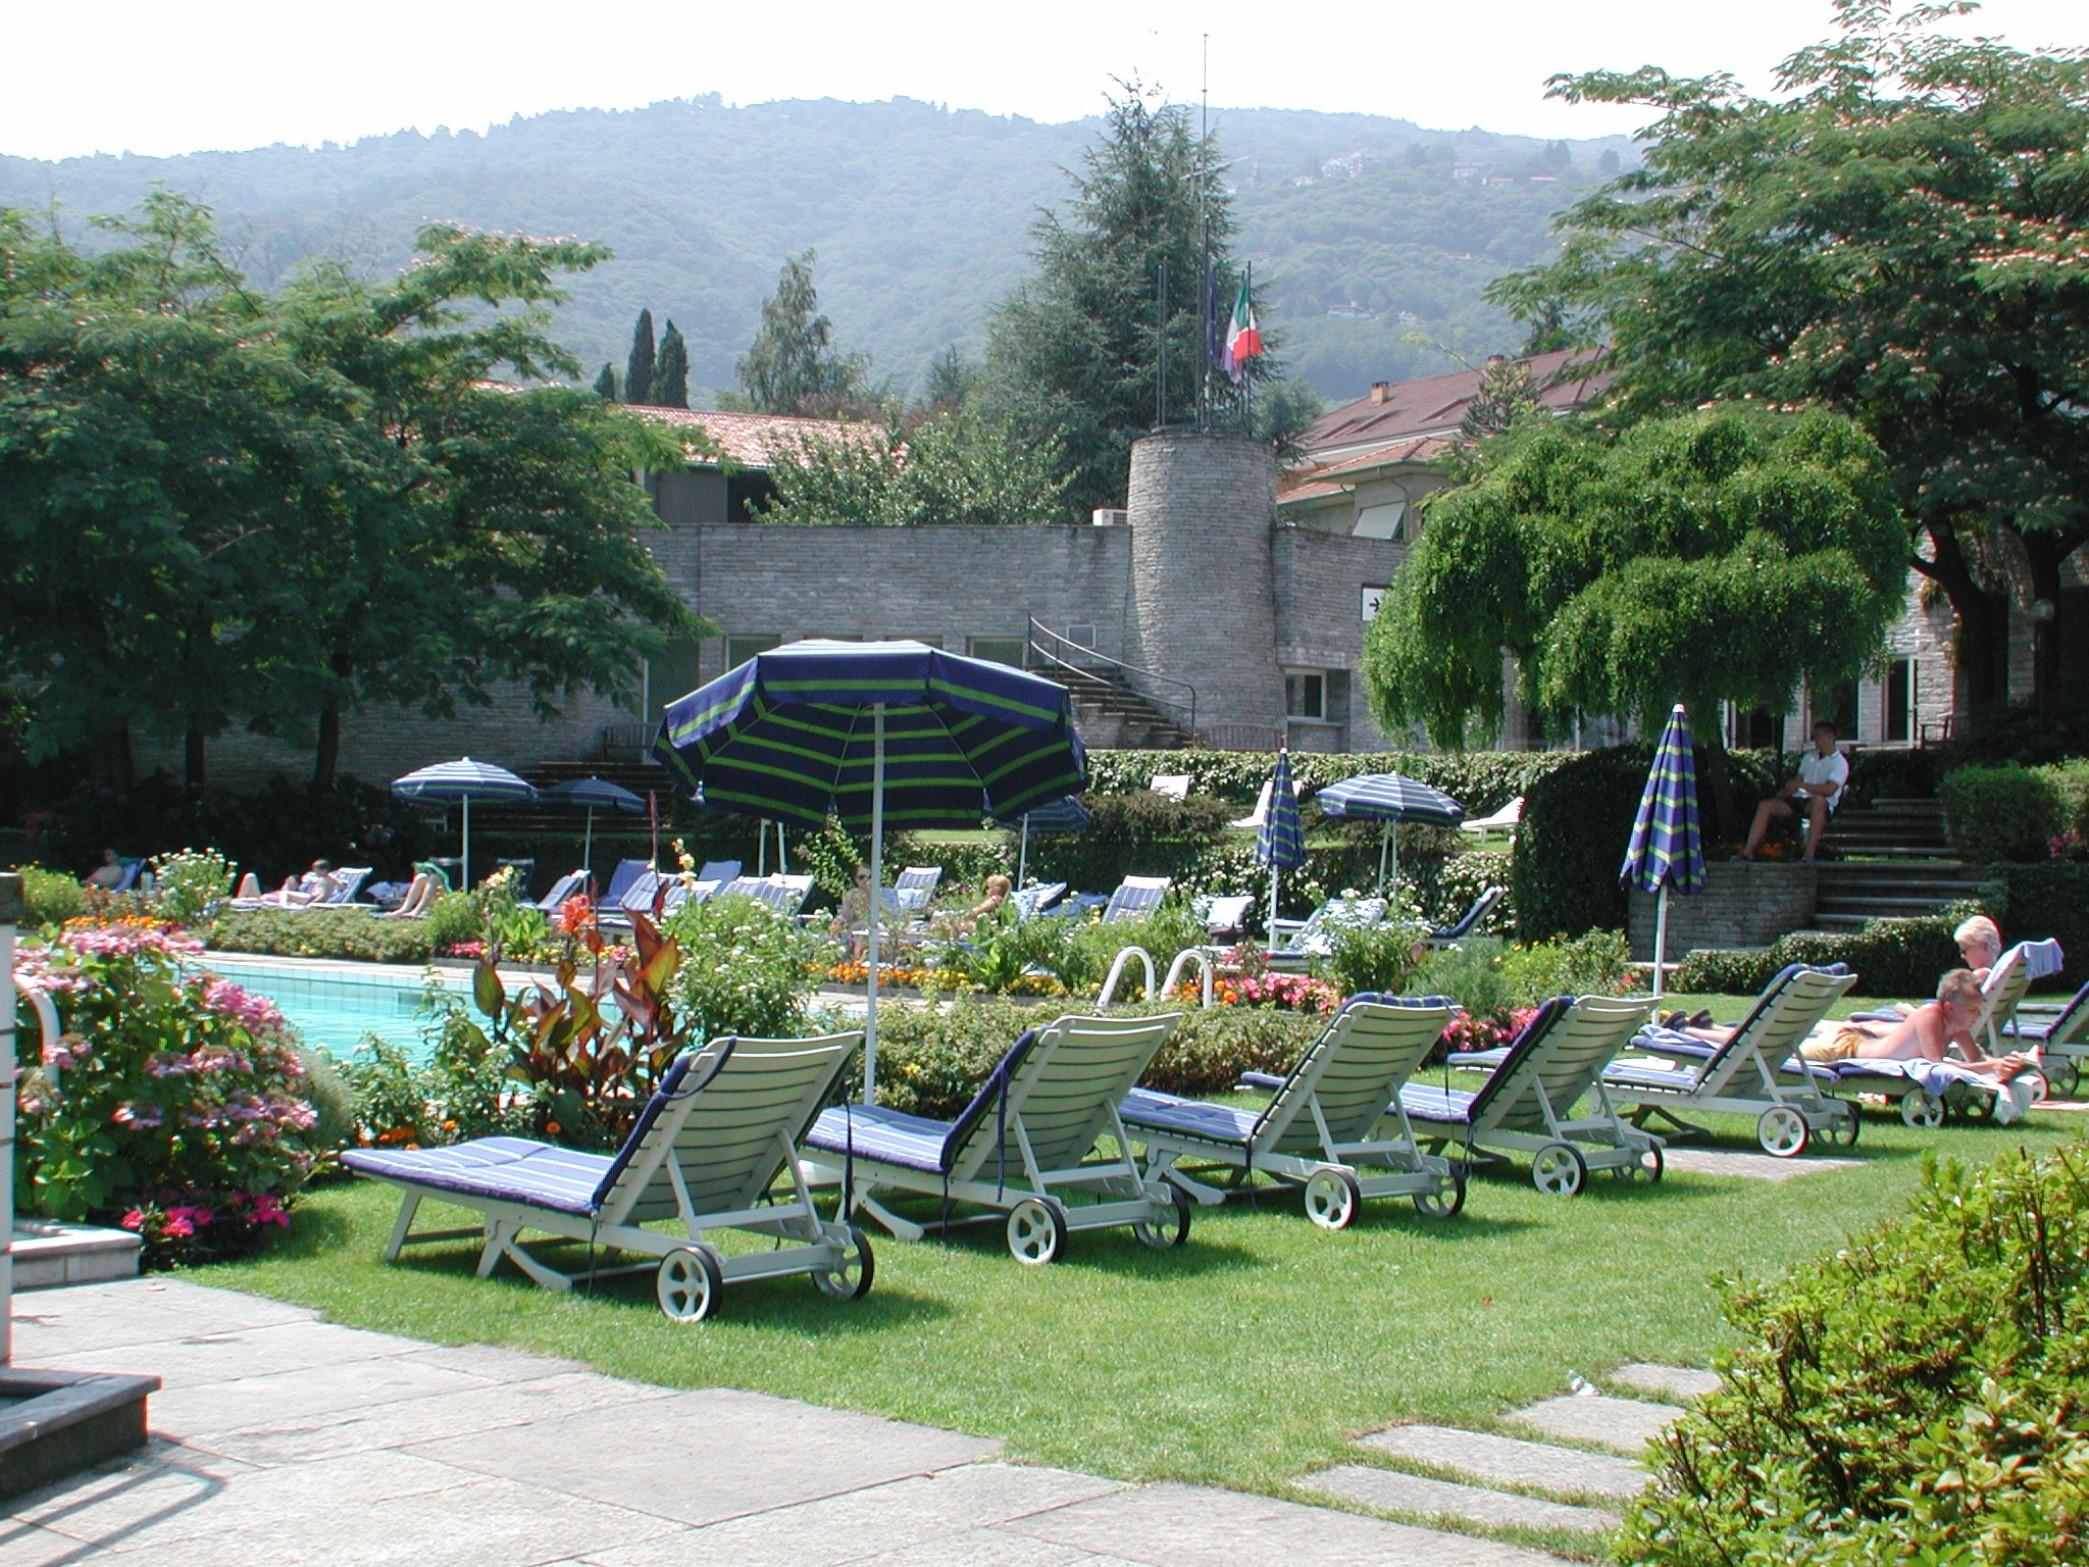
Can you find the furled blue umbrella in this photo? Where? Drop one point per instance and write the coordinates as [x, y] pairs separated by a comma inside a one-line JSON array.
[[1067, 815], [1280, 842], [1667, 853], [874, 732], [1392, 799], [464, 781], [594, 794]]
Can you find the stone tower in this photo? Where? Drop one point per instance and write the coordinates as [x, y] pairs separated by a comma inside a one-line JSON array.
[[1203, 593]]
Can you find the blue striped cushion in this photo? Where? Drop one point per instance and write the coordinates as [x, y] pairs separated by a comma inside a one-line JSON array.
[[511, 1169], [1193, 1117], [1423, 1102], [914, 1142], [1635, 1074]]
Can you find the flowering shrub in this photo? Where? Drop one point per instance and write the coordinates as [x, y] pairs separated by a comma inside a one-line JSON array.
[[190, 882], [1292, 992], [172, 1103], [752, 973]]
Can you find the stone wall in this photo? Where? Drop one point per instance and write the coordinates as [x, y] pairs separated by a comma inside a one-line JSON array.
[[1741, 905], [1320, 582]]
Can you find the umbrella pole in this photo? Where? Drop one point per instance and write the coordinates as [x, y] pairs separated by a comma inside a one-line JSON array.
[[783, 859], [877, 867], [464, 863], [1660, 933], [587, 845], [1022, 863], [1385, 838], [761, 849]]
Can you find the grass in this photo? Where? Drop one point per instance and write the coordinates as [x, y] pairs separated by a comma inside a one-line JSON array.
[[1243, 1359]]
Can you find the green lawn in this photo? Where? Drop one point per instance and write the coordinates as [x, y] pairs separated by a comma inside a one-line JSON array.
[[1242, 1359]]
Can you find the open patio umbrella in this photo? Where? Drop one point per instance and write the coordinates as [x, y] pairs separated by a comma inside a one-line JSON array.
[[464, 780], [1067, 815], [1666, 852], [874, 732], [762, 826], [594, 794], [1392, 799], [1280, 843]]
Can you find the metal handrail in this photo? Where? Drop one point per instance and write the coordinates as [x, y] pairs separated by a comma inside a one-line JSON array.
[[1187, 708]]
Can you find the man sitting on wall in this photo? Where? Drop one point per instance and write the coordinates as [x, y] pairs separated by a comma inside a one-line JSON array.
[[1815, 792]]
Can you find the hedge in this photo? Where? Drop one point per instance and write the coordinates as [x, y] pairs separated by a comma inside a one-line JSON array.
[[2044, 898], [2015, 813], [322, 933], [1897, 957], [1482, 781], [1913, 1396]]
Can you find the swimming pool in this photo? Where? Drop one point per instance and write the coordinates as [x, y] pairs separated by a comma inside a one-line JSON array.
[[333, 1006]]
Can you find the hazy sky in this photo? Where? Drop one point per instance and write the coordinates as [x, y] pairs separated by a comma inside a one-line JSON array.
[[162, 78]]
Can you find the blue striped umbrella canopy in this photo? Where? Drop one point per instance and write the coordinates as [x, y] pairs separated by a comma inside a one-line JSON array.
[[1390, 798], [1666, 852], [762, 826], [464, 781], [874, 732], [1280, 842], [593, 794], [1067, 815]]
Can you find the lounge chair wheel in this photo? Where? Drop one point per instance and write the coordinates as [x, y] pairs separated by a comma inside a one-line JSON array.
[[1173, 1230], [1921, 1109], [1558, 1170], [1975, 1106], [1441, 1204], [1782, 1131], [850, 1279], [1648, 1166], [689, 1284], [1036, 1232], [2063, 1075], [1332, 1198], [1842, 1132]]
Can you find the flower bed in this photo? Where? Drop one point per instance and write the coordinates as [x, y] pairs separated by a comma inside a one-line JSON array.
[[173, 1103]]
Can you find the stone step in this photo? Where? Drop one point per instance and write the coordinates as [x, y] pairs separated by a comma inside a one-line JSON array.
[[48, 1254], [1881, 907], [1625, 1424], [1510, 1460], [1934, 869], [1683, 1384], [1901, 802], [1394, 1491]]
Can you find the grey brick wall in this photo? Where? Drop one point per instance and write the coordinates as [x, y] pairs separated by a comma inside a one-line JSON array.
[[1741, 906], [1320, 581]]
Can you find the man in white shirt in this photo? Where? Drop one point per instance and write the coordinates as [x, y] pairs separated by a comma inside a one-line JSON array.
[[1816, 791]]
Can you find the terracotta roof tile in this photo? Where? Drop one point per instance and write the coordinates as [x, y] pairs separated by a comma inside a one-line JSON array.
[[754, 440], [1435, 404]]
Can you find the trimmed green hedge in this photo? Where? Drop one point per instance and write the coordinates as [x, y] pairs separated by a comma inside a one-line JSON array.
[[1915, 1397], [322, 933], [2045, 898], [1900, 957], [2014, 813], [1482, 781]]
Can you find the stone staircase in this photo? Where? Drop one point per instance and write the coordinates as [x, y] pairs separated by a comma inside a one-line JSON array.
[[1893, 860], [1112, 716]]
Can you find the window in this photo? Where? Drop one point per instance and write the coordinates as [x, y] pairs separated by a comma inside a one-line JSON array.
[[738, 650], [1382, 522], [746, 494], [1080, 633], [1898, 689], [1756, 728], [998, 650], [1838, 704], [672, 672], [1305, 693]]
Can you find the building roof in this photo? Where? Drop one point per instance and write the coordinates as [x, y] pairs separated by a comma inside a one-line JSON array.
[[754, 440]]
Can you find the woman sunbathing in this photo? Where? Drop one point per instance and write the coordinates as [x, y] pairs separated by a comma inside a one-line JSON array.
[[297, 892]]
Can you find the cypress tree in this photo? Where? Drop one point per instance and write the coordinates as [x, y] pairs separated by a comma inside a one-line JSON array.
[[606, 384], [671, 374], [638, 374]]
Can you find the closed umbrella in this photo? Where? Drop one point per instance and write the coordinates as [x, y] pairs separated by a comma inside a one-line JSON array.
[[1390, 798], [1666, 851], [1067, 815], [874, 732], [1280, 843], [594, 794], [464, 781]]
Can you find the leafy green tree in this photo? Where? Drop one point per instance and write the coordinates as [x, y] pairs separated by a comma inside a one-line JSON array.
[[475, 534], [792, 366], [1508, 393], [1897, 233], [1723, 555], [606, 384], [950, 379], [638, 369], [1283, 414], [671, 374], [960, 467], [1075, 350]]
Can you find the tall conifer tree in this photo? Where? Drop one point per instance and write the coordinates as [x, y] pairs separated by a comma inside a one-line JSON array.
[[606, 384], [671, 374], [638, 373]]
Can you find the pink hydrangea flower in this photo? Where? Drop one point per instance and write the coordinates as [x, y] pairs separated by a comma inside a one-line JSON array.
[[177, 1227]]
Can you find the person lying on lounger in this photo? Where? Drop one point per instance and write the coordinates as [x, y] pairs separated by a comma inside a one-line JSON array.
[[1925, 1034], [297, 892], [108, 875], [428, 884]]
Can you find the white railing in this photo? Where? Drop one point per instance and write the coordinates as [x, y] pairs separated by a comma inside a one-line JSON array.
[[1186, 956], [1124, 957]]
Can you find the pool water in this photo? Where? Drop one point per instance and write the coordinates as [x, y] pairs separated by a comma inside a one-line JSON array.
[[334, 1010]]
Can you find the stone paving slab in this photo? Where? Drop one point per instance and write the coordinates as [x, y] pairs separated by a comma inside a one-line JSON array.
[[221, 1356], [1750, 1166], [1193, 1526], [1394, 1491], [705, 1456], [1627, 1424], [1680, 1384], [54, 1327], [1509, 1460], [310, 1391]]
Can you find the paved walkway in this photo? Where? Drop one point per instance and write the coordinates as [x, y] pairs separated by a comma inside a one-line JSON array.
[[281, 1440]]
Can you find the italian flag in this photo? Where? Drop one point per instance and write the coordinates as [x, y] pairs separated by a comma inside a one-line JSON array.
[[1243, 337]]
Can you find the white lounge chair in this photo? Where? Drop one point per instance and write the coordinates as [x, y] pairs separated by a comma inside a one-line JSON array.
[[706, 1150], [1136, 897], [1171, 786], [1295, 943]]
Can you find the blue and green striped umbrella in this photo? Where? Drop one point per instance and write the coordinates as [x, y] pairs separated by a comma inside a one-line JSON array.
[[464, 781], [1280, 843], [875, 733], [1667, 852]]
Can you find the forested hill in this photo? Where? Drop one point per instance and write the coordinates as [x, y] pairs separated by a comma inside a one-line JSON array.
[[1366, 233]]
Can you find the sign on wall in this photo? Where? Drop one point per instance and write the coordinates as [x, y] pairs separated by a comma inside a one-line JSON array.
[[1373, 597]]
